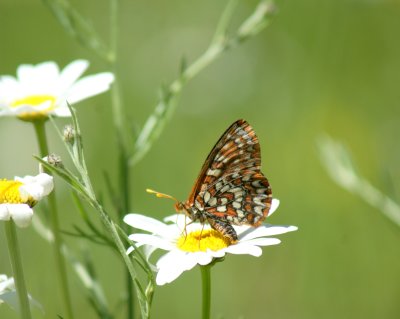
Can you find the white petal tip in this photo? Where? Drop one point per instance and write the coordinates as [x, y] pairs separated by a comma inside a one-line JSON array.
[[274, 206]]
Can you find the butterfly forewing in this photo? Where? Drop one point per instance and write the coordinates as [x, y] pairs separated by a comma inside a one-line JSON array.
[[230, 188]]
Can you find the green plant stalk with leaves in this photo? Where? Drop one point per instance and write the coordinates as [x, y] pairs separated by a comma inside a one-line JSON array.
[[82, 185], [220, 43], [40, 131]]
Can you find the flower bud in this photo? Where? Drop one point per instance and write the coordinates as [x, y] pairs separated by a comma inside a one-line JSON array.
[[54, 160], [69, 133]]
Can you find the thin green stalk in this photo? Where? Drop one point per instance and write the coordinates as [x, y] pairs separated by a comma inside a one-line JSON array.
[[117, 109], [126, 209], [16, 265], [124, 168], [55, 226], [206, 284]]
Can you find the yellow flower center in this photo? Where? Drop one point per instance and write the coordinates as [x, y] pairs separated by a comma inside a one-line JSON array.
[[9, 192], [201, 240], [35, 100]]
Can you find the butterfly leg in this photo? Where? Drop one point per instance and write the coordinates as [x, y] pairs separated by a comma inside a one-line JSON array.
[[184, 231], [224, 228], [201, 234]]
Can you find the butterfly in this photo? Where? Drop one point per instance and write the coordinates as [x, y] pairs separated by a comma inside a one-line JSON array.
[[230, 189]]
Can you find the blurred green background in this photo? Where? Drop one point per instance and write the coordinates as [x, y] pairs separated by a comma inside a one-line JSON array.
[[322, 66]]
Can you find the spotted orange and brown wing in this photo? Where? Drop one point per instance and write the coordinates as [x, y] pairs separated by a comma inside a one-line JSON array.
[[231, 188]]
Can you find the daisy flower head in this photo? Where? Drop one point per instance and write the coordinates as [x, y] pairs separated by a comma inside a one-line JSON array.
[[43, 89], [18, 196], [189, 244]]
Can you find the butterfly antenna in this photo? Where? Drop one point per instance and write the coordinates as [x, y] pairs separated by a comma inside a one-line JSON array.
[[160, 195]]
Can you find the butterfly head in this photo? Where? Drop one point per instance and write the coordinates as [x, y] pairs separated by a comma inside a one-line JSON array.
[[182, 208], [179, 207]]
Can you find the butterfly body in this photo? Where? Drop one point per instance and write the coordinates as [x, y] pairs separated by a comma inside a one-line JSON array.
[[230, 189]]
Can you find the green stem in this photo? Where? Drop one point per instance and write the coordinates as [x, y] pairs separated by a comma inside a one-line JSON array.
[[118, 115], [126, 209], [55, 226], [206, 283], [117, 109], [16, 265]]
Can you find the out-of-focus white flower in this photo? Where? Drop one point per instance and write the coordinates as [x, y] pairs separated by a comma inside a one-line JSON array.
[[18, 196], [192, 244], [41, 90], [6, 285]]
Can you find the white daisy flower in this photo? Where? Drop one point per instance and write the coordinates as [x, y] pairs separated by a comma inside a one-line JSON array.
[[6, 285], [192, 244], [18, 196], [42, 90]]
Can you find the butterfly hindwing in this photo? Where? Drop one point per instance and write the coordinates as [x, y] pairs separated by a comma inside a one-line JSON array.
[[230, 188], [245, 199]]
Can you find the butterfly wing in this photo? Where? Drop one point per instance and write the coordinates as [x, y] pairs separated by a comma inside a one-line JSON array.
[[230, 187]]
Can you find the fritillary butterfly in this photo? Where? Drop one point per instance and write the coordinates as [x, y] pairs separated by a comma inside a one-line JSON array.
[[230, 189]]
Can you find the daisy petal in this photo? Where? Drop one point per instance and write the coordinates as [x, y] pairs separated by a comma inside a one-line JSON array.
[[274, 206], [8, 88], [190, 260], [21, 214], [6, 283], [4, 213], [35, 75], [266, 230], [243, 249], [7, 81], [178, 219], [147, 239], [146, 223], [62, 110], [216, 254], [172, 265], [72, 72], [36, 186], [204, 258], [263, 241], [89, 86], [25, 72], [148, 251], [47, 182]]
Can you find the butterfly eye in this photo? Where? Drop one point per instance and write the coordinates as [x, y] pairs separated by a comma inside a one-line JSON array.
[[179, 207]]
